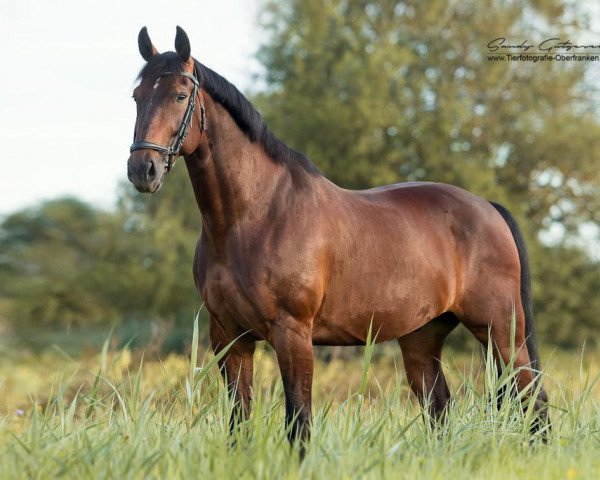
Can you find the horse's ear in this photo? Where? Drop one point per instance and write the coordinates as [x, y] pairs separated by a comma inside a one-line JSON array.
[[182, 44], [145, 45]]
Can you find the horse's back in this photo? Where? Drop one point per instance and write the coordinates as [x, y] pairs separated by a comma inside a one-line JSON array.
[[433, 209], [423, 195]]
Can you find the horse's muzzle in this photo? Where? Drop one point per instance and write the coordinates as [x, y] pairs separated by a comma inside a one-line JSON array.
[[145, 170]]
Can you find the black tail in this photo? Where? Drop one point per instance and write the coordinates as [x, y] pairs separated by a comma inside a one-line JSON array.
[[526, 300]]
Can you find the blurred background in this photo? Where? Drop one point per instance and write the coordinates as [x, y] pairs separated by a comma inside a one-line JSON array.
[[373, 92]]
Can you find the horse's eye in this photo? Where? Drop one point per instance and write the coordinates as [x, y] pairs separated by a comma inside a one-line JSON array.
[[181, 97]]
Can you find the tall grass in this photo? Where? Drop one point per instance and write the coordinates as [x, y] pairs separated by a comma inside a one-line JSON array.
[[115, 418]]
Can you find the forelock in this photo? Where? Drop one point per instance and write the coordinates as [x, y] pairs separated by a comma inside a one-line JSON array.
[[163, 62]]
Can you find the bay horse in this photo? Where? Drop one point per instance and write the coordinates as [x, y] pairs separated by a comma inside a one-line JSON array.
[[288, 257]]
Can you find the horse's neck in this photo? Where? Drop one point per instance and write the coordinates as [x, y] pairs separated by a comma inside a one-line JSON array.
[[234, 181]]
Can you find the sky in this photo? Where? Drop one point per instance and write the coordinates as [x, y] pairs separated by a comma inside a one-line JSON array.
[[68, 70]]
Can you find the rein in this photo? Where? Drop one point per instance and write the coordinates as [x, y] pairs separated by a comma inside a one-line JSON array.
[[172, 151]]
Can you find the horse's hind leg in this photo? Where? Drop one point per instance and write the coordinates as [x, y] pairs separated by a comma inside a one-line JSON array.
[[490, 319], [422, 353]]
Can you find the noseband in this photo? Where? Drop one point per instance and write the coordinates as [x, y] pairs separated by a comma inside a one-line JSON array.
[[172, 151]]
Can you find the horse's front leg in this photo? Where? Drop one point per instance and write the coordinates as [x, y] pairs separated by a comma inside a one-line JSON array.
[[292, 342], [236, 367]]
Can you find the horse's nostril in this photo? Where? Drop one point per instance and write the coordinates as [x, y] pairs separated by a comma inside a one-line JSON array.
[[151, 172]]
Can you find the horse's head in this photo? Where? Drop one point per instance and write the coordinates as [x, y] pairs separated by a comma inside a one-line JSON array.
[[167, 99]]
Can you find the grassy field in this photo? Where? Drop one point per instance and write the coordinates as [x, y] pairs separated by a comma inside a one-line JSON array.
[[114, 414]]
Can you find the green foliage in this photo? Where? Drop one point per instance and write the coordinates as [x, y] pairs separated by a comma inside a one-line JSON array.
[[65, 263], [381, 92], [48, 263], [156, 243], [567, 289]]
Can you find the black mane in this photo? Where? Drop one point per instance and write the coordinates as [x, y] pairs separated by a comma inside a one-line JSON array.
[[238, 106]]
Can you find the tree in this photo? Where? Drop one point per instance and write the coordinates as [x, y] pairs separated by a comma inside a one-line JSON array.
[[156, 242], [66, 263], [48, 264]]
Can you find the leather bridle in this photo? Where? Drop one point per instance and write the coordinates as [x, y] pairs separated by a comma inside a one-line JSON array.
[[172, 151]]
